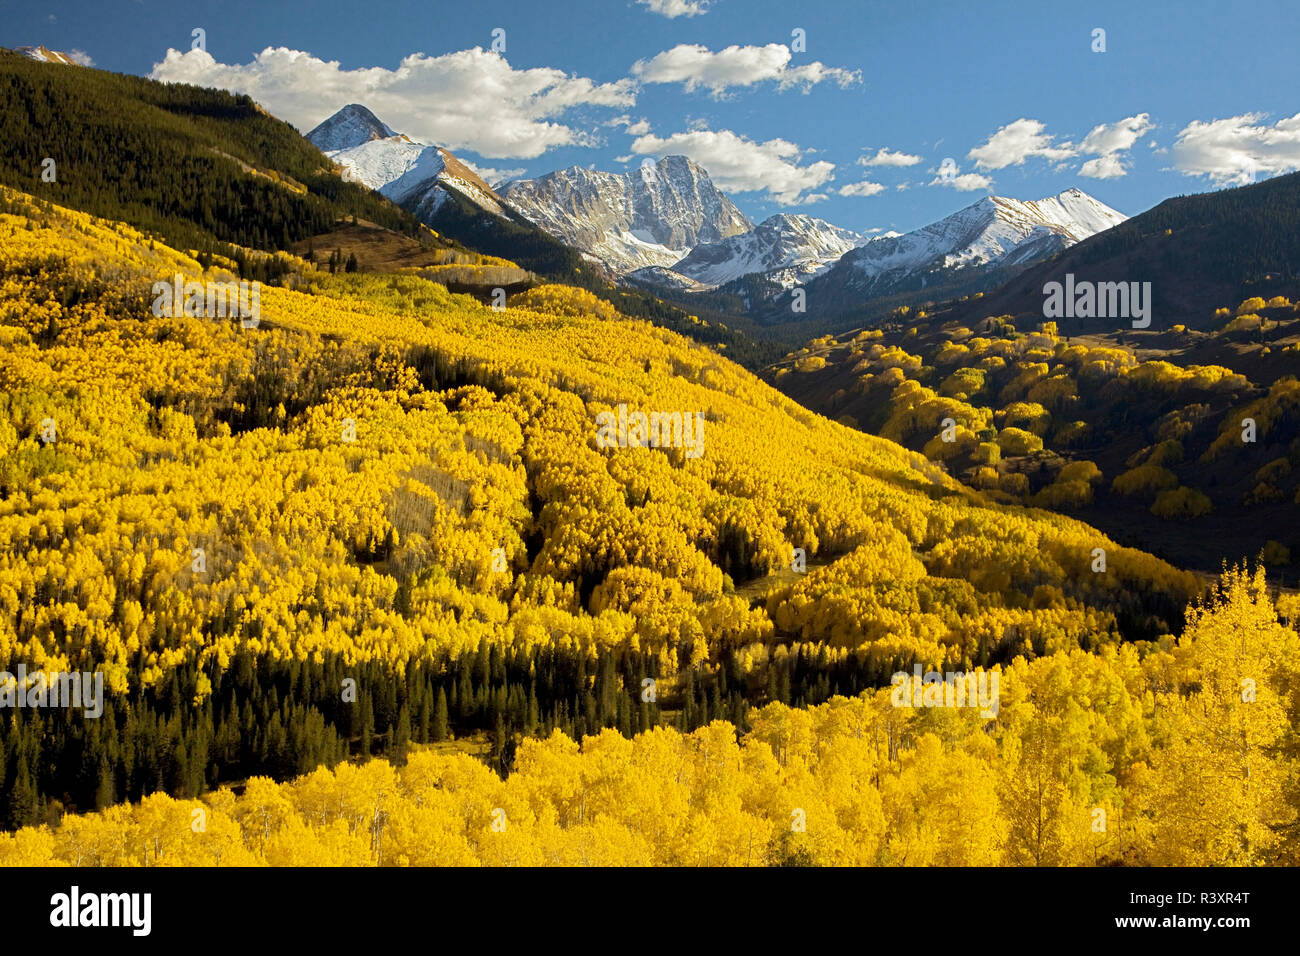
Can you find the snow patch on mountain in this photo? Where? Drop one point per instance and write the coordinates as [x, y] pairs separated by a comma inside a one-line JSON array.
[[789, 249], [993, 231], [662, 277], [44, 55], [382, 163], [396, 165]]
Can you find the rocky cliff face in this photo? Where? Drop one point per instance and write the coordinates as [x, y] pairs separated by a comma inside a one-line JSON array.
[[653, 215]]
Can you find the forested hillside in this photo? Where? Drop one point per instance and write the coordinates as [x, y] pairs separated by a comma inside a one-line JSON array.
[[1124, 756], [1153, 437], [202, 168], [402, 488]]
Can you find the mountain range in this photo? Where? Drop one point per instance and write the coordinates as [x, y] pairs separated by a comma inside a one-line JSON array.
[[665, 225], [992, 231], [664, 228], [790, 249], [973, 250]]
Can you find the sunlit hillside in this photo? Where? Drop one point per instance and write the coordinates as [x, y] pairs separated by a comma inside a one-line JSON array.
[[1122, 757], [386, 488], [1181, 442]]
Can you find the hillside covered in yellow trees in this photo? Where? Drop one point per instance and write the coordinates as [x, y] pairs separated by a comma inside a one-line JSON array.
[[1184, 442], [381, 518], [1117, 757]]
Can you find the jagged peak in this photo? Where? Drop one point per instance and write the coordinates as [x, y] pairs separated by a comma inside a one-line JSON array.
[[632, 218], [350, 126], [362, 112]]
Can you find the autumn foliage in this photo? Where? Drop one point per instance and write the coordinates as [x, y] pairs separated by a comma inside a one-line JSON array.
[[383, 477], [1182, 754]]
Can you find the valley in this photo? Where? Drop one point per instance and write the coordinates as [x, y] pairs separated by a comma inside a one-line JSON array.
[[514, 510]]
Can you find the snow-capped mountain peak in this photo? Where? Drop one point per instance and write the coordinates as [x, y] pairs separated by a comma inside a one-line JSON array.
[[350, 127], [650, 216], [407, 172]]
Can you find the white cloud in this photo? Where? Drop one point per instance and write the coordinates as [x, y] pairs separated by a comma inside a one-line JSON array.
[[970, 182], [864, 188], [886, 157], [633, 127], [1026, 138], [738, 164], [81, 57], [1014, 143], [1108, 142], [962, 182], [471, 99], [697, 66], [1108, 166], [1116, 137], [676, 8], [813, 73], [1234, 151]]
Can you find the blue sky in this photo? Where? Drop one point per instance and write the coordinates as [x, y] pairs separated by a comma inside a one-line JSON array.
[[1188, 95]]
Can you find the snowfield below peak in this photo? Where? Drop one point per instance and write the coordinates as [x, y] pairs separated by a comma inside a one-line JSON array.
[[789, 248], [383, 163], [397, 166]]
